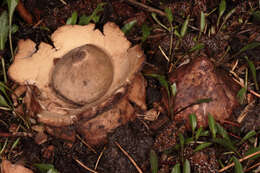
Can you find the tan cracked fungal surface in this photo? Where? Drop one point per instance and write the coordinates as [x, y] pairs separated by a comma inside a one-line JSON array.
[[86, 79]]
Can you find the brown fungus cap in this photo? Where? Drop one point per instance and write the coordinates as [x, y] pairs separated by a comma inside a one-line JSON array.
[[86, 69], [83, 74]]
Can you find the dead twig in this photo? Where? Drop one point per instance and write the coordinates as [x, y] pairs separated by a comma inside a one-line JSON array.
[[24, 13], [129, 157], [252, 167], [148, 8], [84, 166], [99, 157], [244, 113], [236, 79], [16, 134], [249, 90], [240, 160], [87, 145], [64, 2], [231, 123]]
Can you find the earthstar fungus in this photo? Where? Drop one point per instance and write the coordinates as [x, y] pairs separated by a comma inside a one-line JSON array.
[[86, 79]]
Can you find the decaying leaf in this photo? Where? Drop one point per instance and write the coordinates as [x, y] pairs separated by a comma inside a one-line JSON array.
[[8, 167]]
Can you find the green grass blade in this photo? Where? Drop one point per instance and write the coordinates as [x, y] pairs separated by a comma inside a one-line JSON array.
[[15, 143], [222, 7], [11, 7], [153, 161], [221, 10], [52, 171], [212, 126], [188, 140], [3, 29], [4, 146], [185, 27], [249, 46], [198, 46], [238, 166], [222, 131], [225, 143], [204, 133], [253, 71], [252, 151], [173, 89], [193, 122], [202, 21], [3, 89], [241, 95], [14, 28], [256, 16], [96, 18], [182, 141], [158, 22], [73, 19], [100, 8], [127, 27], [206, 100], [202, 146], [198, 133], [228, 15], [186, 166], [49, 168], [146, 31], [162, 80], [3, 102], [3, 69], [169, 15], [247, 136], [84, 20], [176, 168], [177, 33]]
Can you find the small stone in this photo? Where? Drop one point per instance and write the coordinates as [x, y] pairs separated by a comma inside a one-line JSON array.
[[201, 80]]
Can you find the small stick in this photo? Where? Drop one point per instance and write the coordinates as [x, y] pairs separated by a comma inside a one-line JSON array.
[[252, 167], [151, 9], [24, 13], [129, 157], [87, 145], [16, 134], [84, 166], [240, 160], [231, 123], [242, 85], [99, 157], [64, 2]]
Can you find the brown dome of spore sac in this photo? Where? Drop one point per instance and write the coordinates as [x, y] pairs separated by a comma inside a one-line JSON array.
[[86, 69]]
